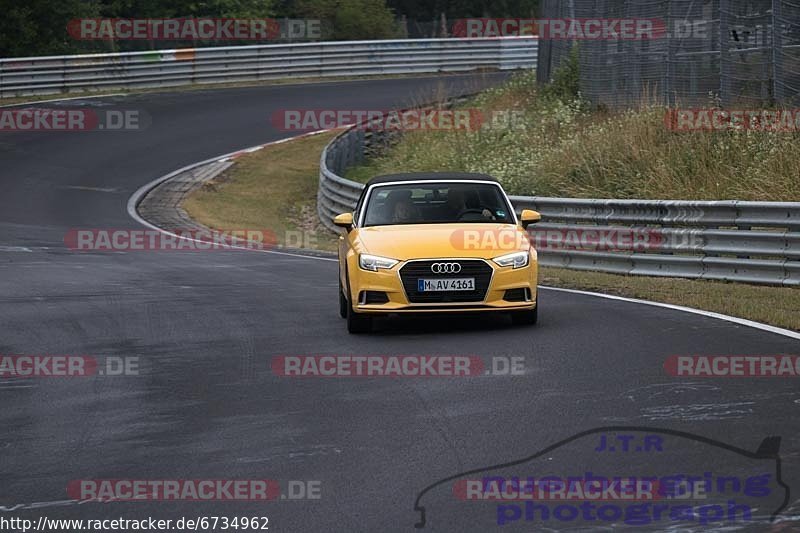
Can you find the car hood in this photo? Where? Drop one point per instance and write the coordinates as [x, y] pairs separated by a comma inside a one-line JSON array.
[[430, 241]]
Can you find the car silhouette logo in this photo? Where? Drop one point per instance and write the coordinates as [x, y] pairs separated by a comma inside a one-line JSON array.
[[609, 453]]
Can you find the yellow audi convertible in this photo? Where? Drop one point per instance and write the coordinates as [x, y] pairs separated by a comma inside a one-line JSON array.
[[435, 243]]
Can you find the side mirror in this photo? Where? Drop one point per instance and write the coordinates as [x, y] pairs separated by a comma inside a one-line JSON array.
[[345, 220], [529, 217]]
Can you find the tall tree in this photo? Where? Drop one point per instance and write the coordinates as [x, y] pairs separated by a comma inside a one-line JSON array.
[[39, 27], [350, 19], [426, 9]]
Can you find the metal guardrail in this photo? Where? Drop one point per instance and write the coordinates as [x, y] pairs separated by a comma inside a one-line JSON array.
[[164, 68], [752, 242]]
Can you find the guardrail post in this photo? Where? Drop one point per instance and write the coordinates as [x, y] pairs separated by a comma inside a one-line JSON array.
[[724, 53], [777, 52]]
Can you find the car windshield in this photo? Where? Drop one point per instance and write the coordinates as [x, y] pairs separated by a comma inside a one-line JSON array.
[[436, 203]]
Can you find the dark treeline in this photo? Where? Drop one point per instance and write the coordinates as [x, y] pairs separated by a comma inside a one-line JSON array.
[[39, 27]]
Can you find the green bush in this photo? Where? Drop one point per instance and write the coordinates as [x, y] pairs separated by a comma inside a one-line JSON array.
[[351, 19], [565, 84]]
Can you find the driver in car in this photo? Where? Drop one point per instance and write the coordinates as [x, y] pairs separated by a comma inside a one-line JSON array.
[[457, 206]]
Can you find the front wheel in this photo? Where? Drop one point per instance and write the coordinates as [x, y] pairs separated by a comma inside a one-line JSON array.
[[355, 323], [343, 305], [358, 323], [525, 318]]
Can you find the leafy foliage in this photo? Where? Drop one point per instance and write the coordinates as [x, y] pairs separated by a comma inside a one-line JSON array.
[[351, 19], [565, 84], [39, 27], [427, 9]]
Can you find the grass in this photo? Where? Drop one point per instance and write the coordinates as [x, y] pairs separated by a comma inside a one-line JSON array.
[[276, 188], [776, 306], [562, 148], [273, 189]]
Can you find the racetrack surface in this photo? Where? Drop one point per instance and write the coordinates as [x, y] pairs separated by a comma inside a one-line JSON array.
[[206, 326]]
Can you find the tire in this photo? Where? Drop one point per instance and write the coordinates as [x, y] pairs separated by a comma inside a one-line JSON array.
[[358, 323], [525, 318], [355, 323], [343, 305]]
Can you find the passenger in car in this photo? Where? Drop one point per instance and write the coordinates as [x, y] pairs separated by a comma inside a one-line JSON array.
[[404, 212]]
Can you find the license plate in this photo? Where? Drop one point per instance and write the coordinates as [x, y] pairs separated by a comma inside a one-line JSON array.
[[446, 285]]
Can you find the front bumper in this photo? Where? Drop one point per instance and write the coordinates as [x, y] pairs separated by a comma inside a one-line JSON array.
[[398, 300]]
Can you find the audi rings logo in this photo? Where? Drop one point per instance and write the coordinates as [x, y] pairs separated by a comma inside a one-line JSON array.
[[446, 268]]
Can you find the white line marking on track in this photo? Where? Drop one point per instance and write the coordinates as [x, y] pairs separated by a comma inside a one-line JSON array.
[[63, 99], [710, 314]]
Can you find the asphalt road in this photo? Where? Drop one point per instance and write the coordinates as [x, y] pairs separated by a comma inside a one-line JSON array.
[[205, 327]]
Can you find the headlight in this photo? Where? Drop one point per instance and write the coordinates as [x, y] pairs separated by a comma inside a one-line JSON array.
[[374, 263], [516, 260]]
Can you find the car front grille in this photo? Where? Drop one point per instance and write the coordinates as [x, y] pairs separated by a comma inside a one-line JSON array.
[[472, 268]]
